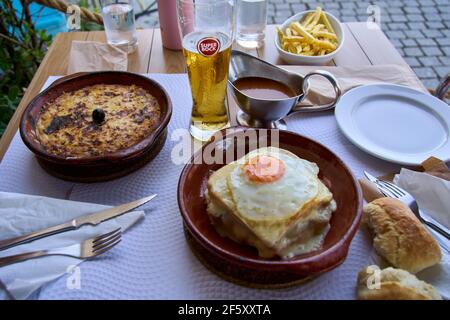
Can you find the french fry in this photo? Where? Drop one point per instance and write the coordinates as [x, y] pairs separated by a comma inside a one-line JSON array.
[[308, 19], [315, 29], [327, 23], [324, 34], [325, 44], [288, 32], [317, 15], [280, 34], [313, 21], [301, 30], [292, 39]]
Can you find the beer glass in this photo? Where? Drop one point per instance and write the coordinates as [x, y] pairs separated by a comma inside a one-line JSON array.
[[207, 30]]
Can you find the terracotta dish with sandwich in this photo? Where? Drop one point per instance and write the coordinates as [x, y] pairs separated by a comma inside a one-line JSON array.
[[273, 216]]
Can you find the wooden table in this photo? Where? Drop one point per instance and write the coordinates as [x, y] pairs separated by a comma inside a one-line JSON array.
[[362, 47]]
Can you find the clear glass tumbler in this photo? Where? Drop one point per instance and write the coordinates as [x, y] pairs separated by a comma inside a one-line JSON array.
[[251, 19], [119, 22], [207, 29]]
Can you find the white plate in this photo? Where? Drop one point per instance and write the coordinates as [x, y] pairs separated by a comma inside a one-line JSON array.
[[395, 123]]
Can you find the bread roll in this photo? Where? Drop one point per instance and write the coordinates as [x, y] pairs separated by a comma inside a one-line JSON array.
[[395, 284], [400, 237]]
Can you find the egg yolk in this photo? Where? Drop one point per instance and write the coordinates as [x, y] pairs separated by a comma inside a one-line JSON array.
[[264, 169]]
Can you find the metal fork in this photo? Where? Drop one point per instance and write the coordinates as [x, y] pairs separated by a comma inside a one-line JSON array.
[[391, 190], [87, 249]]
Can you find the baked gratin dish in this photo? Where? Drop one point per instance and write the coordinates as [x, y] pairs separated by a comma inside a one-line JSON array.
[[97, 120], [97, 126]]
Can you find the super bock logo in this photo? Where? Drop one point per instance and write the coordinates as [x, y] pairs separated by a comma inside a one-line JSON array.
[[208, 46]]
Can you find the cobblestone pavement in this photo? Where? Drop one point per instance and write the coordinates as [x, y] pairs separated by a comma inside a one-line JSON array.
[[419, 29]]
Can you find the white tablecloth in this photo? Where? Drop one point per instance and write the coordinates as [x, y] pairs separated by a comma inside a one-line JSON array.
[[153, 260]]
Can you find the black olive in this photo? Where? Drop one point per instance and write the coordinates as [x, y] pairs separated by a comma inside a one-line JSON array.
[[98, 115]]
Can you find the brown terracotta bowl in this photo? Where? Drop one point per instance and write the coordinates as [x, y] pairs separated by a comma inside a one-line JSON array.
[[240, 263], [96, 168]]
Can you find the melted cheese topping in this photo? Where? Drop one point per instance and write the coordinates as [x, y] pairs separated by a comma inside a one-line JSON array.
[[66, 128], [282, 235]]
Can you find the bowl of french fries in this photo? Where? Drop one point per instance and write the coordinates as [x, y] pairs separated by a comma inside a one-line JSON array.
[[311, 37]]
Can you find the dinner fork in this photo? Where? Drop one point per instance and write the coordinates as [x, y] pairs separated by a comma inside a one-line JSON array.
[[389, 189], [87, 249]]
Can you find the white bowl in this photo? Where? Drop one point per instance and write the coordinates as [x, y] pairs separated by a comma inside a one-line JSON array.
[[310, 60]]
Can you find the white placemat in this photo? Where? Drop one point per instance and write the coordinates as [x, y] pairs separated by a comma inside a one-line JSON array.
[[153, 261]]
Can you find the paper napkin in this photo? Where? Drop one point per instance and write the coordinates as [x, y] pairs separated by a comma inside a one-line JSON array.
[[321, 91], [96, 56], [431, 193]]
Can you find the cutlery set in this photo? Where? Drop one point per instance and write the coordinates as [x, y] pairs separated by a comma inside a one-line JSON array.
[[89, 248]]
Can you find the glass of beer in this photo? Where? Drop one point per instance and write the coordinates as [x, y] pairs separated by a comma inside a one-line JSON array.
[[207, 30]]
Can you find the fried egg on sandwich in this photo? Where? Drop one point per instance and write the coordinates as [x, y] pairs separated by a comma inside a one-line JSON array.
[[272, 200]]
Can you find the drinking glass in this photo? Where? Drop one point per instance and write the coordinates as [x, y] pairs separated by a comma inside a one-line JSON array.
[[207, 30], [119, 22], [251, 19]]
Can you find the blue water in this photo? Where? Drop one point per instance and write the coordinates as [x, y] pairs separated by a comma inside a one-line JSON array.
[[44, 18]]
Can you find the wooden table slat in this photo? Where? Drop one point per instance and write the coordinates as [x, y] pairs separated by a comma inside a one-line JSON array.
[[363, 46], [351, 54], [268, 51], [141, 57], [375, 44], [164, 60], [98, 36]]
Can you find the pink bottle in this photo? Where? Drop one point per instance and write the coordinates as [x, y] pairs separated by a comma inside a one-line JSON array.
[[168, 21]]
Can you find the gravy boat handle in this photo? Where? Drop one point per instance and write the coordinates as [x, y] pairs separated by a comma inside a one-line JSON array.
[[314, 108]]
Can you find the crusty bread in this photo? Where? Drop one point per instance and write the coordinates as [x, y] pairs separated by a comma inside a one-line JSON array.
[[395, 284], [399, 237]]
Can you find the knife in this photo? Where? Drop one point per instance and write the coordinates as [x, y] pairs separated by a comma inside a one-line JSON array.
[[90, 219]]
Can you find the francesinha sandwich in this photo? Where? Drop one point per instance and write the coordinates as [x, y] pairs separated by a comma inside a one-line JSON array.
[[272, 200]]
